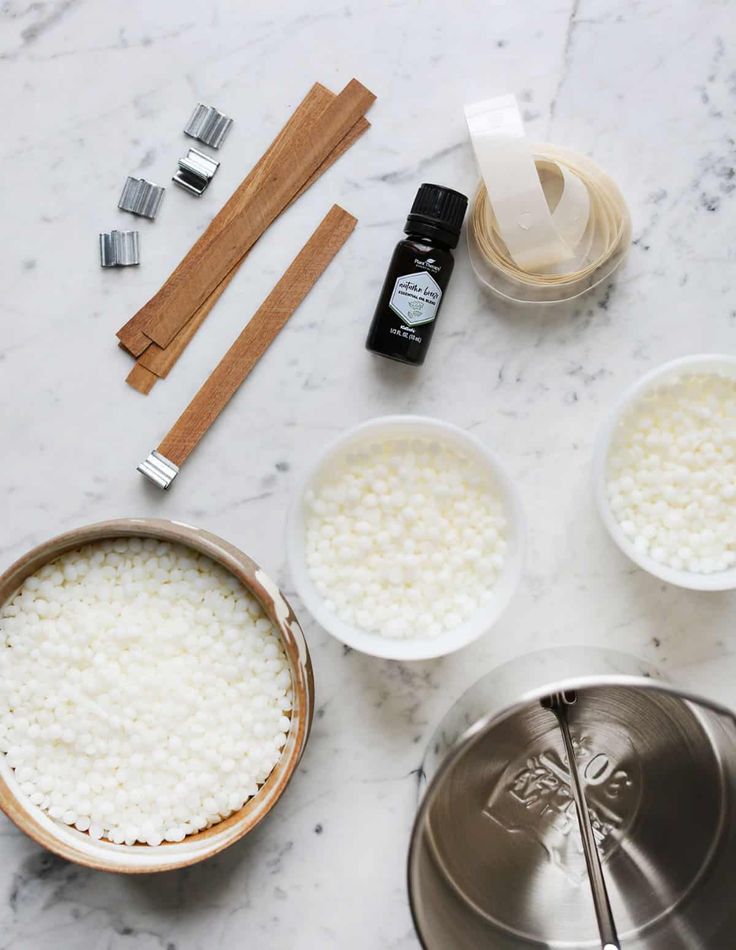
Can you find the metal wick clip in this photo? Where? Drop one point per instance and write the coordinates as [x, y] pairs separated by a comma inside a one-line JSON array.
[[195, 172], [119, 249], [141, 197], [158, 469], [208, 125]]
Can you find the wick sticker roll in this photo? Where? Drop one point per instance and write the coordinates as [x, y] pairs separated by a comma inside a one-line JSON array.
[[546, 223]]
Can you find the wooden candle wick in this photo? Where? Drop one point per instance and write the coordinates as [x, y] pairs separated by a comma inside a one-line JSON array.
[[163, 464]]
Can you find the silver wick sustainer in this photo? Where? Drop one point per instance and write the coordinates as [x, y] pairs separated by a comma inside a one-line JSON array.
[[159, 470]]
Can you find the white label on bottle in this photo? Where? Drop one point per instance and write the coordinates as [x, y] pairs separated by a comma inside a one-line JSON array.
[[415, 298]]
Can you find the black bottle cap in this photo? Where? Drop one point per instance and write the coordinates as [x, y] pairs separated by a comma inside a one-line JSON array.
[[437, 213]]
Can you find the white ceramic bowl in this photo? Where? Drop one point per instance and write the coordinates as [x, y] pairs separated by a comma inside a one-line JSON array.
[[687, 365], [412, 648]]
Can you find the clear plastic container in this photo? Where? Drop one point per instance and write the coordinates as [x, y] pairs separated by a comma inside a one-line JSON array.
[[604, 246]]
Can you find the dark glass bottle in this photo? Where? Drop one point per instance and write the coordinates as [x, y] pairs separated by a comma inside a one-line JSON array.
[[417, 277]]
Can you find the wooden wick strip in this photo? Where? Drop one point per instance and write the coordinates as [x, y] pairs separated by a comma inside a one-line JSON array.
[[312, 105], [141, 379], [259, 333], [132, 339], [160, 360], [280, 177]]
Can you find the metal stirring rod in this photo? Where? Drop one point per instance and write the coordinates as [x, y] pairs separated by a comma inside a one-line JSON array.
[[558, 703]]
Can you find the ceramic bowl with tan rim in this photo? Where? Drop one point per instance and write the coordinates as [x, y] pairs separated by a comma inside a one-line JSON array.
[[103, 855]]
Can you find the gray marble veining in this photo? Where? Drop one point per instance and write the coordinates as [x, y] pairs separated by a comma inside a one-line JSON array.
[[95, 92]]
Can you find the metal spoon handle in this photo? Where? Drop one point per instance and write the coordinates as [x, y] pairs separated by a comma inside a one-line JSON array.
[[603, 913]]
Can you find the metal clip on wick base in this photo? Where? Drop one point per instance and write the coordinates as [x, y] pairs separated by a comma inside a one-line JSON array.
[[195, 172], [119, 249], [159, 470]]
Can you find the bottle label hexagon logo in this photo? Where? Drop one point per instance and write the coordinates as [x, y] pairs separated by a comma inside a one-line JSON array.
[[415, 298]]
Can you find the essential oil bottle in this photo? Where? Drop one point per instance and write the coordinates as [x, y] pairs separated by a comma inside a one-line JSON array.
[[418, 276]]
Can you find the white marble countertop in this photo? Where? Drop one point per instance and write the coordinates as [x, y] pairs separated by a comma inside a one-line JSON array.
[[95, 91]]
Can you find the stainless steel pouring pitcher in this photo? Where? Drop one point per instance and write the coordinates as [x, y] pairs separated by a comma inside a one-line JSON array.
[[496, 860]]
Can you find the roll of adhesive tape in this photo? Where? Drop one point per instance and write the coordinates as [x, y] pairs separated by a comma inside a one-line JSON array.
[[546, 224]]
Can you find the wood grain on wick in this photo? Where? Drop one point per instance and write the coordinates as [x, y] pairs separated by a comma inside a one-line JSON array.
[[141, 379], [259, 333]]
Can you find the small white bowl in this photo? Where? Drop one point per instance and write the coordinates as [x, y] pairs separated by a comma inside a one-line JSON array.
[[685, 366], [410, 648]]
